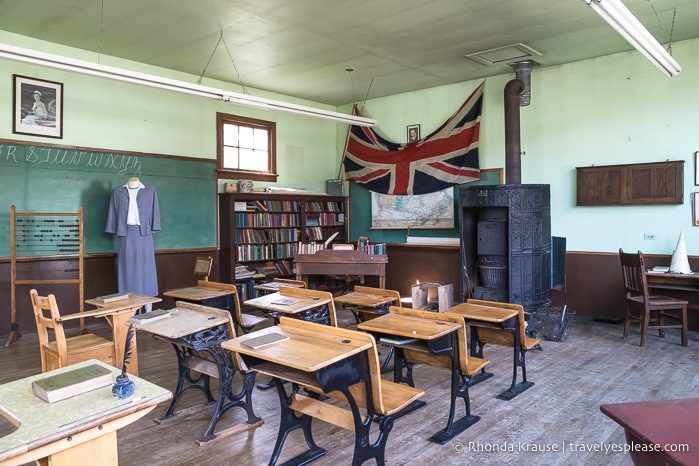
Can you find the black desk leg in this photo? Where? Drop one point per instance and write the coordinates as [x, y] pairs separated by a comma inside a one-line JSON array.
[[459, 389], [477, 352], [517, 388], [289, 422]]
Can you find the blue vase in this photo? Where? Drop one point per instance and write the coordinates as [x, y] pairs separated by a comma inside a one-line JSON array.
[[123, 387]]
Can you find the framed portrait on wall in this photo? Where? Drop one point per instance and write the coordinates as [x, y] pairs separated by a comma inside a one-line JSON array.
[[413, 133], [695, 209], [37, 107], [696, 168]]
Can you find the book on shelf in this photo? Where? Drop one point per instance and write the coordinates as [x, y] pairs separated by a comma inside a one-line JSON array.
[[151, 316], [110, 298], [264, 340], [72, 383]]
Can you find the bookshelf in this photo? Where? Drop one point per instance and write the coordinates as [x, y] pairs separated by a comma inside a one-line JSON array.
[[262, 231]]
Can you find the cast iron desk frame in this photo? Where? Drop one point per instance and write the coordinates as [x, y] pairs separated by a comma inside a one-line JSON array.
[[440, 340], [204, 337], [507, 320], [336, 372]]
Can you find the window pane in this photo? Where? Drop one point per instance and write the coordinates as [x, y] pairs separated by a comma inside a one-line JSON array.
[[230, 135], [261, 139], [230, 157], [246, 138], [247, 159]]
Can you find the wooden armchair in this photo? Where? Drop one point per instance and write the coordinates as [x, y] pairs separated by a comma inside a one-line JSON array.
[[63, 351], [650, 311]]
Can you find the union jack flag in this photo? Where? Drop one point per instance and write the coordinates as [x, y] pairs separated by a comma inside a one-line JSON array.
[[447, 157]]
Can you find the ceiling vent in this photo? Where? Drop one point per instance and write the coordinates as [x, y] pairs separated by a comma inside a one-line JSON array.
[[504, 55]]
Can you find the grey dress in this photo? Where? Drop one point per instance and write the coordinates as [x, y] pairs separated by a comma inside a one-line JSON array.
[[135, 251]]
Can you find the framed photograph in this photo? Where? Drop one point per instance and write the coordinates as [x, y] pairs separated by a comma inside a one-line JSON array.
[[37, 107], [695, 209], [696, 168], [413, 133]]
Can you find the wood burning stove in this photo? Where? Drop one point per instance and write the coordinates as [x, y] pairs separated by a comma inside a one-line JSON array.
[[506, 244]]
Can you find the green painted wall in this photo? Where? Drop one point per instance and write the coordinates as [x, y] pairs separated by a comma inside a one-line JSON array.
[[609, 110]]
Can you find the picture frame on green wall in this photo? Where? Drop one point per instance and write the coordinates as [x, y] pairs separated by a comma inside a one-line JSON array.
[[37, 107]]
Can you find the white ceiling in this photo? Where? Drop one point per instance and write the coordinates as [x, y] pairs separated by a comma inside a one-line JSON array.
[[302, 48]]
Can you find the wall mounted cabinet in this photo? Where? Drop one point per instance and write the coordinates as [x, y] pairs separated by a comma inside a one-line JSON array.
[[634, 184]]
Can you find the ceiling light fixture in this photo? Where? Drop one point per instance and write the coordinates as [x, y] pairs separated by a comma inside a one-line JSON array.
[[625, 23], [33, 57]]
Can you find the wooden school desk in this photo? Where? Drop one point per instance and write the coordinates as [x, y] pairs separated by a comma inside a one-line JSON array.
[[436, 337], [666, 282], [205, 293], [668, 424], [359, 302], [507, 320], [117, 314], [309, 308], [317, 359], [76, 431], [196, 333], [339, 262]]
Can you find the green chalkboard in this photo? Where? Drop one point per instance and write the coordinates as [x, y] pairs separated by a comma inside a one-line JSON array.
[[361, 215], [50, 178]]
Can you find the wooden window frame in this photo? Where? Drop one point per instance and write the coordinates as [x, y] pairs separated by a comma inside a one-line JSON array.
[[228, 173]]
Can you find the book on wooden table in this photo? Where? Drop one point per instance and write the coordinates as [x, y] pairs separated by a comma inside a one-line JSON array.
[[151, 316], [71, 383], [110, 298], [285, 301], [264, 340]]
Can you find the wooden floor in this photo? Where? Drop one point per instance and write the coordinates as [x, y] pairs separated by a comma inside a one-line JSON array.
[[594, 366]]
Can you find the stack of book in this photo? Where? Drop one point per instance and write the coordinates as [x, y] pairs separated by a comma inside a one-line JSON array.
[[242, 272]]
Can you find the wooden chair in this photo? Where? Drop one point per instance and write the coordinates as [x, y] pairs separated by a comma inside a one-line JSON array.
[[243, 321], [202, 266], [650, 311], [63, 351]]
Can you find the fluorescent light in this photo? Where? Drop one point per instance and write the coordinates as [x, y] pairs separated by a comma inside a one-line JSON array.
[[625, 23], [33, 57]]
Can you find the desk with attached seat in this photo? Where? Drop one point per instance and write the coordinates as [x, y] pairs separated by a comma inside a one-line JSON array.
[[492, 323], [433, 339], [335, 362], [196, 333]]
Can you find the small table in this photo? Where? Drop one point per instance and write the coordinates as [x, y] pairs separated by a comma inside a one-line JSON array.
[[309, 308], [196, 333], [322, 359], [80, 430], [670, 423], [507, 320], [439, 339], [117, 314]]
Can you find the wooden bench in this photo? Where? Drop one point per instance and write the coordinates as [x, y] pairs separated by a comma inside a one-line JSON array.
[[463, 369], [350, 405], [501, 337]]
